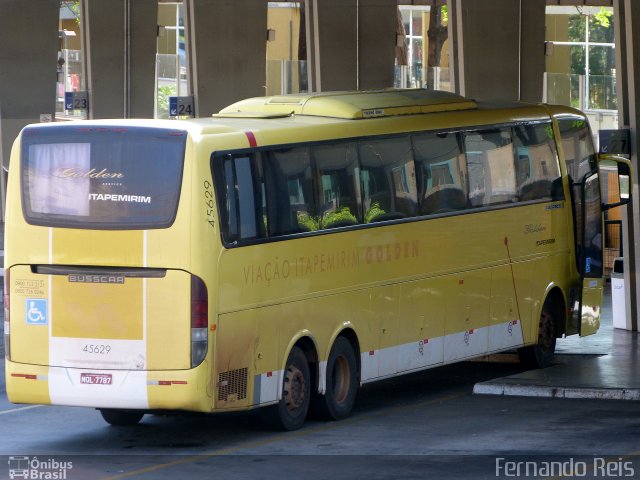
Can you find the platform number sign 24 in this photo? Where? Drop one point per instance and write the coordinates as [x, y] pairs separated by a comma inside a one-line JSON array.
[[181, 107]]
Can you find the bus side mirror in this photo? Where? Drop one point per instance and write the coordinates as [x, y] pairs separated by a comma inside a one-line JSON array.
[[615, 180]]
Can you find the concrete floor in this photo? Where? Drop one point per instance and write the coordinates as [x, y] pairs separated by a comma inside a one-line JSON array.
[[604, 365]]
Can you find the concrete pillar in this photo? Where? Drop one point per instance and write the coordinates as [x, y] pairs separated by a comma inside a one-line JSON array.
[[532, 59], [377, 43], [119, 42], [226, 41], [351, 44], [627, 22], [499, 48], [28, 54]]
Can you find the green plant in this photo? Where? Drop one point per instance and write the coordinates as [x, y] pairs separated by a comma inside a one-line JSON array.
[[164, 93], [339, 217], [327, 220], [373, 212]]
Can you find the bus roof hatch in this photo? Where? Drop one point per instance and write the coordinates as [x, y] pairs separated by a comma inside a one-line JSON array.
[[351, 105]]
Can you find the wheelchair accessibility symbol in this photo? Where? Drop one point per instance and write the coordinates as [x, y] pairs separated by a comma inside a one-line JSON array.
[[36, 311]]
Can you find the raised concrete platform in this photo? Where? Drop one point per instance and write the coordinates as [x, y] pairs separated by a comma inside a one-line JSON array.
[[605, 365]]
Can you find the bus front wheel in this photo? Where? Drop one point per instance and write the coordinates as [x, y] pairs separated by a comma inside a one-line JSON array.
[[290, 412], [342, 383], [540, 355], [121, 417]]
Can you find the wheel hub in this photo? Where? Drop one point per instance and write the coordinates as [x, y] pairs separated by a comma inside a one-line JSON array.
[[546, 335], [341, 379], [294, 388]]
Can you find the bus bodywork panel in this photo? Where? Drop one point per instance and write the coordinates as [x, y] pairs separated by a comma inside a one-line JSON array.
[[105, 321], [110, 325], [425, 307]]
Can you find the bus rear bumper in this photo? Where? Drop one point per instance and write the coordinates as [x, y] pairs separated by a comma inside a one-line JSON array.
[[130, 389]]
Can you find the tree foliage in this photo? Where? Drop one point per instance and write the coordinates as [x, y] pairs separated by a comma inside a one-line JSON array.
[[601, 58], [601, 30], [437, 35]]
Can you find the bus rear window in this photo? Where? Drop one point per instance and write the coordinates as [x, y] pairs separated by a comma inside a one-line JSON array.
[[101, 177]]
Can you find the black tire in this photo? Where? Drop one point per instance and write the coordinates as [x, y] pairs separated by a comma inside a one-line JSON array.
[[342, 383], [290, 412], [121, 418], [541, 354]]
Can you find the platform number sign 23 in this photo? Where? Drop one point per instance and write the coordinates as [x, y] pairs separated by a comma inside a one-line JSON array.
[[76, 101], [181, 107]]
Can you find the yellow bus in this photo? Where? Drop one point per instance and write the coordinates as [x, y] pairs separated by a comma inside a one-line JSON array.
[[292, 248]]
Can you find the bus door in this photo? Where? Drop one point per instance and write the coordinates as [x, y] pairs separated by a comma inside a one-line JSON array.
[[607, 188], [580, 158], [589, 251], [597, 183]]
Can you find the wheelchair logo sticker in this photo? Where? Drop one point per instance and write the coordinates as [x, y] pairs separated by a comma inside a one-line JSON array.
[[36, 311]]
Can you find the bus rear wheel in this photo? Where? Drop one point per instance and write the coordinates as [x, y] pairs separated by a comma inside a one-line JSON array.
[[342, 383], [290, 412], [121, 418], [541, 354]]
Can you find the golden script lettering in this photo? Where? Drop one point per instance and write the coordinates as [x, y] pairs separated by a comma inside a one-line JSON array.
[[72, 172]]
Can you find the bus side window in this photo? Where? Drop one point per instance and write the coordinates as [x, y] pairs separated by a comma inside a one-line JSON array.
[[289, 191], [577, 146], [337, 196], [441, 181], [538, 171], [388, 179], [242, 206], [229, 206], [490, 162]]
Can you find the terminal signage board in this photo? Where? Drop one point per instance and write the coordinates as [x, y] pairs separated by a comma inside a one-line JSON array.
[[181, 106], [76, 100], [615, 142]]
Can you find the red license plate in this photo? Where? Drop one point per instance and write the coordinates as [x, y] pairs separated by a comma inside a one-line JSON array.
[[96, 378]]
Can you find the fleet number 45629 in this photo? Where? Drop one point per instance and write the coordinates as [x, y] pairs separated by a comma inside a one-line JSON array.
[[97, 349]]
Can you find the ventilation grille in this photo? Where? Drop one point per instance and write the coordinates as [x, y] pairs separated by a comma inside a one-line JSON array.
[[232, 385]]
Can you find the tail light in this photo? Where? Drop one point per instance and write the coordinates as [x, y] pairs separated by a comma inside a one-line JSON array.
[[199, 321], [7, 331]]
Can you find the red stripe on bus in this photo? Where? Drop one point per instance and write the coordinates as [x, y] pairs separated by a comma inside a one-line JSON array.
[[252, 139], [25, 376]]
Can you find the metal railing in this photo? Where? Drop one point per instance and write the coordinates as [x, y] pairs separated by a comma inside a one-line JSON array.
[[414, 76], [286, 76]]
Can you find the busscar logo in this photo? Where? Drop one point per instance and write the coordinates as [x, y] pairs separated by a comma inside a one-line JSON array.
[[80, 278], [38, 469]]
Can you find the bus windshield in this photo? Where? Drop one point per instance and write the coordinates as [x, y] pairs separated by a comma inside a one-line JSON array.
[[101, 177]]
